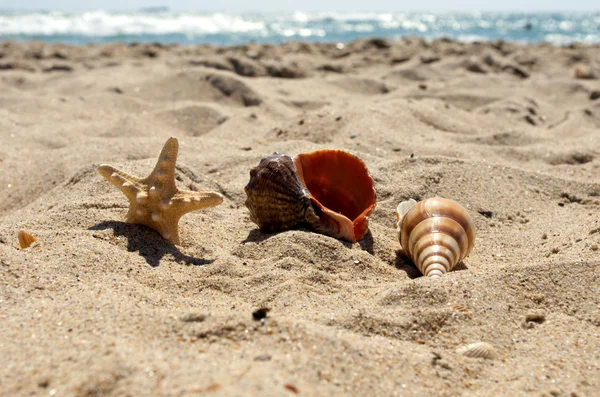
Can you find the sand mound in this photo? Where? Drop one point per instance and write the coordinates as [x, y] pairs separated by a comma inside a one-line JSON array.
[[101, 307], [200, 86], [193, 120]]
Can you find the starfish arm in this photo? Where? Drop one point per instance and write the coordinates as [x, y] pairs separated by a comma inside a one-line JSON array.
[[128, 184], [169, 230], [163, 175], [186, 201]]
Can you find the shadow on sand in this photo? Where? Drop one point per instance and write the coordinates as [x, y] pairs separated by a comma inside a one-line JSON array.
[[404, 263], [151, 246], [366, 243], [258, 236]]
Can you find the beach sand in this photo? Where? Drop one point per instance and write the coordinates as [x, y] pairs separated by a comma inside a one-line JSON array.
[[101, 307]]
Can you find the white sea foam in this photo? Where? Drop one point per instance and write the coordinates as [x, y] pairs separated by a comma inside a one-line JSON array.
[[561, 39], [227, 28], [101, 23], [470, 38]]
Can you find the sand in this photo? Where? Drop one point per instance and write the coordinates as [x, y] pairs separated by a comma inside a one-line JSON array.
[[100, 307]]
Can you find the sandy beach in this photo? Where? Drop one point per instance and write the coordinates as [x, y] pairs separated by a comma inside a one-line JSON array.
[[100, 307]]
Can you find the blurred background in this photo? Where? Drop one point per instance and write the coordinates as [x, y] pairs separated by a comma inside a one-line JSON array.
[[228, 22]]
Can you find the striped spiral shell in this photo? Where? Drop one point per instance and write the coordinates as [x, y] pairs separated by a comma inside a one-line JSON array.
[[435, 234]]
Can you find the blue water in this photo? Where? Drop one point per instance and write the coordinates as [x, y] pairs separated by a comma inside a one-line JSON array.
[[228, 29]]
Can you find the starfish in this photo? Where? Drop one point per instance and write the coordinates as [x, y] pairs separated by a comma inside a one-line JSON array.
[[155, 201]]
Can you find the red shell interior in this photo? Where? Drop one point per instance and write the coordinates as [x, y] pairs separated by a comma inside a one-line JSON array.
[[338, 180]]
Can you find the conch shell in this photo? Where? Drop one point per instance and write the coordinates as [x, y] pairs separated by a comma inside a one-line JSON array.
[[331, 191], [25, 239], [435, 234]]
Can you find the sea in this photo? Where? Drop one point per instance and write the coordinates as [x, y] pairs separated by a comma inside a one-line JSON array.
[[162, 25]]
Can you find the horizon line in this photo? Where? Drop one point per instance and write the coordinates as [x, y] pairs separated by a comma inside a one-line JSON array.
[[166, 9]]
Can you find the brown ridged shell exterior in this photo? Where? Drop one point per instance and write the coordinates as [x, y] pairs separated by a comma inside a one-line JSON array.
[[25, 239], [331, 191], [276, 198], [436, 234]]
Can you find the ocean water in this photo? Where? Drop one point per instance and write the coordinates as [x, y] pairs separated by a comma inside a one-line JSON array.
[[162, 25]]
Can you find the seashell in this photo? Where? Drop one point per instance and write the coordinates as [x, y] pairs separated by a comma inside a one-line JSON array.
[[25, 239], [331, 191], [583, 72], [461, 308], [435, 234], [478, 350]]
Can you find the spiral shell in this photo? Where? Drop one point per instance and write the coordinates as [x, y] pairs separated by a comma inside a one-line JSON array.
[[25, 239], [435, 234], [329, 191], [478, 350]]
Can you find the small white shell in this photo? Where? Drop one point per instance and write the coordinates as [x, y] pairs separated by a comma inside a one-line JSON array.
[[25, 239], [478, 350]]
